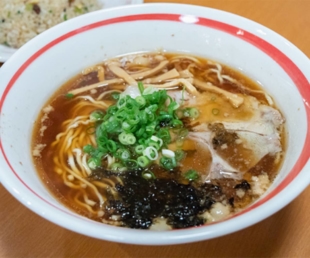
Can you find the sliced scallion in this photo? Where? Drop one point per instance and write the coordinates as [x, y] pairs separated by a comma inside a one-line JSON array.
[[135, 132], [115, 95], [168, 163], [141, 101], [215, 111], [139, 149], [141, 87], [94, 163], [151, 153], [143, 161], [191, 175], [96, 115], [69, 95], [147, 174], [168, 153]]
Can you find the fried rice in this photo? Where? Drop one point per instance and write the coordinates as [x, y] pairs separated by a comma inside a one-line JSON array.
[[22, 20]]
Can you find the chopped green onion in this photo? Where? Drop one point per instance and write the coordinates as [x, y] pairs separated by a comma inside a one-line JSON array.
[[157, 140], [122, 138], [173, 106], [88, 148], [127, 138], [111, 146], [112, 110], [131, 139], [165, 118], [69, 95], [140, 132], [191, 112], [143, 161], [118, 167], [141, 101], [151, 153], [125, 154], [151, 109], [149, 90], [112, 126], [179, 155], [94, 163], [139, 149], [183, 133], [151, 117], [194, 113], [186, 112], [125, 126], [119, 154], [156, 145], [179, 142], [168, 153], [115, 95], [134, 131], [133, 119], [164, 134], [131, 163], [121, 102], [147, 174], [168, 163], [215, 111], [141, 87], [130, 104], [176, 123], [150, 128], [96, 116], [191, 175]]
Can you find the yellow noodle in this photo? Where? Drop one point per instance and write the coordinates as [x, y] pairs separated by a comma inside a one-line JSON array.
[[83, 204], [102, 95]]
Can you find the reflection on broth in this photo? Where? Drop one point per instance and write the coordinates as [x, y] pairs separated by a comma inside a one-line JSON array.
[[159, 141]]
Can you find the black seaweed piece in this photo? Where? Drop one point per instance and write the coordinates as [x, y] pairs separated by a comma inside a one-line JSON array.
[[164, 122], [143, 200], [101, 173], [231, 201], [243, 185], [212, 190]]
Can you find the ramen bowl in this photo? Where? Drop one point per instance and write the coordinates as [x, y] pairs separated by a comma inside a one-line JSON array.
[[40, 67]]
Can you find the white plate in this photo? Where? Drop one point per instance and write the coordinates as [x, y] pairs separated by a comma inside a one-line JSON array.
[[7, 52]]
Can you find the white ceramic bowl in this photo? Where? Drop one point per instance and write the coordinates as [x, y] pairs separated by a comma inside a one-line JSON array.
[[36, 70]]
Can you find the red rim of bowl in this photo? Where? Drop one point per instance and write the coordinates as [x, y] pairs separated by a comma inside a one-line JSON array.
[[287, 65]]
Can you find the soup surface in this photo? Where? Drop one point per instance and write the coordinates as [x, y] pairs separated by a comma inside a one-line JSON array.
[[158, 141]]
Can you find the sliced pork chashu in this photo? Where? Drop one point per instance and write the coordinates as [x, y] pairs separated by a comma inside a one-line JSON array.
[[238, 139]]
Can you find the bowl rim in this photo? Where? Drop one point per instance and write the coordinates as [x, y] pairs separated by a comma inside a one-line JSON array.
[[285, 62]]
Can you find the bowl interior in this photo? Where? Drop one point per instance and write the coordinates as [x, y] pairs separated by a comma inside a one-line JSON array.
[[33, 74]]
